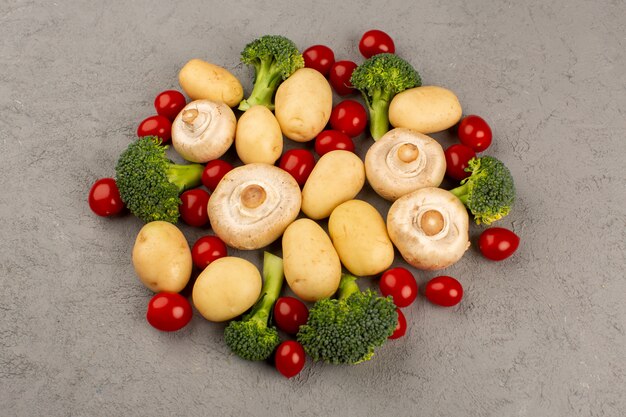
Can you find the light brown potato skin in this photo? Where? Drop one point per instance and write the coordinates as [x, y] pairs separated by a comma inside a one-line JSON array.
[[258, 137], [303, 104], [426, 109], [161, 257], [203, 80], [311, 264]]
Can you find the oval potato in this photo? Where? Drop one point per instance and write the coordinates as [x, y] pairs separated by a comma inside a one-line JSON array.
[[312, 266], [203, 80], [426, 109], [258, 137]]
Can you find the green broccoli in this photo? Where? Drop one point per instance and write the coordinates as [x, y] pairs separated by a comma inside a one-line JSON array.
[[150, 184], [489, 192], [348, 329], [274, 59], [380, 78], [251, 338]]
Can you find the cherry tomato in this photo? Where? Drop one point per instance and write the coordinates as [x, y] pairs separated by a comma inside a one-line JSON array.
[[206, 250], [339, 77], [299, 163], [401, 327], [376, 42], [457, 158], [104, 198], [158, 126], [498, 243], [320, 58], [289, 358], [444, 291], [400, 284], [168, 311], [213, 173], [193, 209], [349, 117], [475, 133], [332, 140], [169, 103], [289, 314]]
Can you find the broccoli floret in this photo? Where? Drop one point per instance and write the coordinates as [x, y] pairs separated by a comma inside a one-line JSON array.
[[150, 184], [489, 192], [251, 338], [380, 78], [274, 58], [348, 329]]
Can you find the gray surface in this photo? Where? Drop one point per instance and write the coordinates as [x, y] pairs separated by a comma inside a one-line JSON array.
[[539, 335]]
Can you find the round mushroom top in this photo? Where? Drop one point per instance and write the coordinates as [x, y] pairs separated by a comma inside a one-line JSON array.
[[253, 205], [402, 161]]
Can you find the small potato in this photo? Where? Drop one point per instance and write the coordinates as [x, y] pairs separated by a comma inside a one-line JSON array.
[[338, 176], [360, 236], [226, 288], [312, 267], [202, 80], [427, 109], [258, 137], [303, 104], [161, 257]]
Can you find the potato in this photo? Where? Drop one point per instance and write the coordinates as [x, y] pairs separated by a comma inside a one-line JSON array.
[[258, 137], [311, 264], [202, 80], [161, 257], [338, 176], [303, 104], [226, 288], [426, 109], [360, 236]]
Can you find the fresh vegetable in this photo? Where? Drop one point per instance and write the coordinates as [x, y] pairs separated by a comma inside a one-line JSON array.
[[206, 250], [169, 103], [168, 312], [475, 133], [444, 291], [289, 358], [400, 329], [193, 207], [320, 58], [258, 137], [205, 81], [457, 161], [376, 42], [274, 59], [489, 192], [347, 330], [332, 140], [158, 126], [400, 284], [104, 198], [349, 117], [251, 338], [498, 243], [213, 173], [149, 183], [299, 163], [289, 314], [339, 77], [427, 109]]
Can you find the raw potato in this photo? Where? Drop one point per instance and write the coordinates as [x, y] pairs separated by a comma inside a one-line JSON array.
[[161, 257], [338, 176], [312, 266], [202, 80], [303, 104], [226, 288], [359, 234], [427, 109], [258, 137]]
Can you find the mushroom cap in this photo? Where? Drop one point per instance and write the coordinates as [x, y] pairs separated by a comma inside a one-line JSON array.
[[394, 169], [203, 130], [411, 214], [253, 205]]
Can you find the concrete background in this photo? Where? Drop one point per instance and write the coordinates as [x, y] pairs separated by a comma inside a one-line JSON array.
[[542, 334]]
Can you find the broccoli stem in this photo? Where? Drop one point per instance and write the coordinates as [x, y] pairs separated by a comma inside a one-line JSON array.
[[273, 283], [266, 82], [461, 192], [185, 177], [379, 114], [347, 286]]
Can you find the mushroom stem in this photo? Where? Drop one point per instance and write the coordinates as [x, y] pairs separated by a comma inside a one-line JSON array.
[[193, 119], [253, 196], [408, 152], [432, 222]]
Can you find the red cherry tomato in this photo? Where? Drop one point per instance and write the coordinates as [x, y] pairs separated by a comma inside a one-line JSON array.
[[339, 77], [457, 158], [169, 103], [498, 243], [444, 291], [193, 209], [401, 327], [299, 163], [320, 58], [376, 42], [332, 140], [168, 311], [289, 314], [158, 126], [104, 198], [400, 284], [206, 250], [475, 133], [289, 358], [213, 173], [349, 117]]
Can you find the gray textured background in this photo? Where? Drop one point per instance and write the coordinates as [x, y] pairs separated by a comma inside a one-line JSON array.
[[542, 334]]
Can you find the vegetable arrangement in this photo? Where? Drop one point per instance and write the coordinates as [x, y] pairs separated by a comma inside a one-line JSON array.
[[257, 202]]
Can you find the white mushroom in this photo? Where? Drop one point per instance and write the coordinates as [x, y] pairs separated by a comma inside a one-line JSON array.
[[402, 161], [203, 130], [253, 205], [430, 228]]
